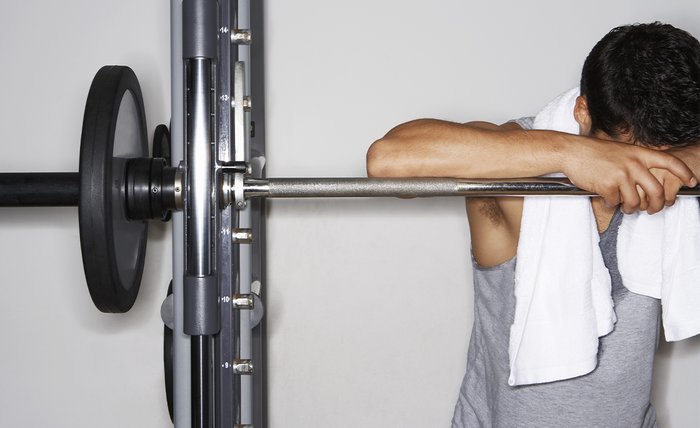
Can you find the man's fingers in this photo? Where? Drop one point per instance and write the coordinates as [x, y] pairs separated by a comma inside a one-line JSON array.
[[676, 167], [643, 200], [630, 198], [651, 192], [670, 195], [671, 188]]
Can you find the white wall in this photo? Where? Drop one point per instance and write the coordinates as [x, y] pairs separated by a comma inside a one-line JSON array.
[[63, 363], [370, 301]]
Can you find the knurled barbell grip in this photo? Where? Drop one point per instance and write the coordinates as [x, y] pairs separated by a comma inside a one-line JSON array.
[[45, 189], [348, 187]]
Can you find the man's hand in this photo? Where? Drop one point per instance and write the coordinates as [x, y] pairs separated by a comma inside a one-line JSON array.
[[672, 184], [636, 177]]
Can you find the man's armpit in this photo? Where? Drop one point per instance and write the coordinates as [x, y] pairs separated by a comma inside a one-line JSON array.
[[496, 216], [487, 208], [493, 241]]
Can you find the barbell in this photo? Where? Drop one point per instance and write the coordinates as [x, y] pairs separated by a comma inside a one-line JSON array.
[[119, 187]]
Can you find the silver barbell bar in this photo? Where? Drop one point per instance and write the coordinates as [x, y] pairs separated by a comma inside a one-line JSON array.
[[406, 187]]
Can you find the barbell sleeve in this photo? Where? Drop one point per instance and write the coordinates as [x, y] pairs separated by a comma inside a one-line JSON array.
[[412, 187], [45, 189]]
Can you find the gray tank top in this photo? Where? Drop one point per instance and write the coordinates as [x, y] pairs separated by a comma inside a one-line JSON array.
[[616, 394]]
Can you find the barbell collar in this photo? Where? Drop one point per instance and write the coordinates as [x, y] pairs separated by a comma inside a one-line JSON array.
[[152, 189]]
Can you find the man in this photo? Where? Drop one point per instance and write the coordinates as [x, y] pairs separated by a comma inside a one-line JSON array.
[[638, 143]]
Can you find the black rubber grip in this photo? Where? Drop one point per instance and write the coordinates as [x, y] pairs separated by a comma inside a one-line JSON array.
[[47, 189]]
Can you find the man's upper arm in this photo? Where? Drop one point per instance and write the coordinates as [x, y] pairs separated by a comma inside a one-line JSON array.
[[495, 222]]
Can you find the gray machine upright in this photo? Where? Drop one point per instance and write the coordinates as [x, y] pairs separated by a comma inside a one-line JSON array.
[[219, 267]]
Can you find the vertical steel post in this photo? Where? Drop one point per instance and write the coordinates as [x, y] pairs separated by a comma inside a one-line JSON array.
[[201, 311], [227, 406], [219, 269], [198, 237], [199, 165]]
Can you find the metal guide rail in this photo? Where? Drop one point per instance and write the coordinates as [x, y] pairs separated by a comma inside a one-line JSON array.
[[222, 289]]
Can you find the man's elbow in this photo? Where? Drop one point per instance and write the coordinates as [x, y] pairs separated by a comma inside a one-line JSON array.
[[380, 161], [394, 155]]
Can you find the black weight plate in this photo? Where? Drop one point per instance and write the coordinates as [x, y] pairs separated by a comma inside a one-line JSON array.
[[161, 143], [113, 247], [168, 362], [161, 149]]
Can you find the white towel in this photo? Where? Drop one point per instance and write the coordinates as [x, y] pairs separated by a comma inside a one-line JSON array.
[[659, 256], [563, 289]]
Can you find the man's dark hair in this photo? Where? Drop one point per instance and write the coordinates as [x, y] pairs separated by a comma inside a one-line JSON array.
[[644, 80]]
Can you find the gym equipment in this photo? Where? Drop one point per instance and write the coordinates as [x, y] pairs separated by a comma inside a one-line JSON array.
[[167, 315], [117, 189]]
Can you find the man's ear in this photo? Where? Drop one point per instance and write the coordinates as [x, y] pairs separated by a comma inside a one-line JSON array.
[[582, 116]]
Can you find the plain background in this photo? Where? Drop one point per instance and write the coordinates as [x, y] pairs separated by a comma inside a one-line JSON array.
[[370, 301]]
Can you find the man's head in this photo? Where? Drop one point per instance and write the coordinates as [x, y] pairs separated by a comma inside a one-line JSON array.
[[641, 83]]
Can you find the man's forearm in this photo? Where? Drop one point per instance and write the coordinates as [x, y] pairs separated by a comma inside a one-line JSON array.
[[433, 148], [617, 171]]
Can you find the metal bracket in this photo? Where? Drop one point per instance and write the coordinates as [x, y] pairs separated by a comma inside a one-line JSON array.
[[247, 103], [257, 165], [238, 191], [243, 367], [241, 37], [256, 288], [236, 167], [243, 301], [231, 183], [242, 236]]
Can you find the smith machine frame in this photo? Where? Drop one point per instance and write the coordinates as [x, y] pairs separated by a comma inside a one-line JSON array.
[[222, 140]]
